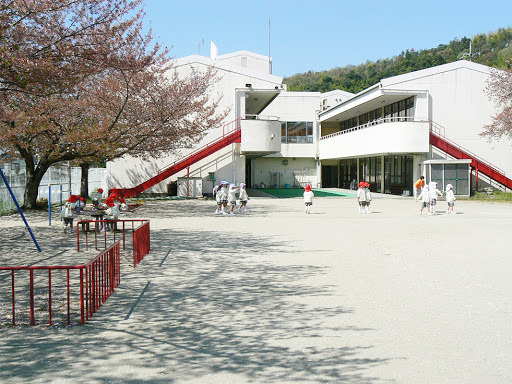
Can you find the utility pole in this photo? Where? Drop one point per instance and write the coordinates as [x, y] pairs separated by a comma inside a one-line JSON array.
[[199, 43], [269, 60]]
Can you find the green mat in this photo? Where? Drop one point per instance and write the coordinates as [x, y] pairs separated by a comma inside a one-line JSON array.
[[299, 192]]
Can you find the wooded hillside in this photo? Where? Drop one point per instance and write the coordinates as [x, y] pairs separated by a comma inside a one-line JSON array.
[[493, 49]]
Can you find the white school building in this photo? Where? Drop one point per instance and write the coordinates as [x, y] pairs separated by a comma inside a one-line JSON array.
[[421, 123]]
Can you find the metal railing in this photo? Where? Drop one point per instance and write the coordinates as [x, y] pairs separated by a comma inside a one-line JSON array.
[[439, 131], [382, 120], [227, 129], [141, 243], [103, 237], [100, 234], [97, 281], [260, 117]]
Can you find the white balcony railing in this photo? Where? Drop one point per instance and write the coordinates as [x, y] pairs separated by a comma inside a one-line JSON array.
[[389, 135], [382, 120]]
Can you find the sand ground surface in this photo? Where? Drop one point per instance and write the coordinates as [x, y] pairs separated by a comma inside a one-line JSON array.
[[278, 296]]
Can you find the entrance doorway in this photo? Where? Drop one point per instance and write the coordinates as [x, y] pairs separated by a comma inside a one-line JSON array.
[[329, 176], [248, 172]]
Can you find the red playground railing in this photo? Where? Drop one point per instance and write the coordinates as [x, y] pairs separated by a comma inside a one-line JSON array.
[[140, 235], [91, 286], [141, 243]]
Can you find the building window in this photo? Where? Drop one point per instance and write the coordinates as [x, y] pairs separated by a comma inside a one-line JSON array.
[[402, 110], [244, 62], [296, 131]]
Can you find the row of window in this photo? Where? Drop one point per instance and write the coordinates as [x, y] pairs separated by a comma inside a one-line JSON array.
[[397, 173], [400, 109], [296, 131]]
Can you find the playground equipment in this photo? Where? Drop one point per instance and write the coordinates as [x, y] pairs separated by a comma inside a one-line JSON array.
[[97, 281], [141, 239], [19, 209]]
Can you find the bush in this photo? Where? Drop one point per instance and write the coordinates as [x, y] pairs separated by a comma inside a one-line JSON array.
[[493, 196], [42, 203]]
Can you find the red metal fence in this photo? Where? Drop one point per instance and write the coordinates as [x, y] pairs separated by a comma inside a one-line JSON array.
[[140, 235], [141, 243], [97, 281]]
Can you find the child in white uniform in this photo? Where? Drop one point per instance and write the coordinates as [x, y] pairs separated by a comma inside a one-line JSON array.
[[425, 199], [68, 213], [222, 196], [308, 198], [450, 198], [434, 192], [361, 197], [96, 198], [217, 199], [232, 197], [243, 198], [368, 197], [112, 215]]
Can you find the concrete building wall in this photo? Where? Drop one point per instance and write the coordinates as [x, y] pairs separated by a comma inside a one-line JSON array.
[[279, 172], [129, 171], [459, 103], [247, 61]]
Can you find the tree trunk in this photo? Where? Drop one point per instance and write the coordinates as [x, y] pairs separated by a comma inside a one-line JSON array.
[[84, 180], [34, 177]]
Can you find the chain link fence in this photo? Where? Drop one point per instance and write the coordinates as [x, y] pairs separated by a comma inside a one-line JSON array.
[[58, 181]]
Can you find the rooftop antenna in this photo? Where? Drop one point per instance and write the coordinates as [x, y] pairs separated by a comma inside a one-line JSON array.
[[199, 43], [269, 61], [470, 54]]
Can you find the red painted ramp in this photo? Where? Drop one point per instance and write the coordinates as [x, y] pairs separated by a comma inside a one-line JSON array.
[[207, 150], [455, 150]]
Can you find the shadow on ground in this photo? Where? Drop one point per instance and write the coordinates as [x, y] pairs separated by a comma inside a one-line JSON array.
[[196, 308]]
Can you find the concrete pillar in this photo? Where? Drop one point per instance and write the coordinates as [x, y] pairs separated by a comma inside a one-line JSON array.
[[382, 174]]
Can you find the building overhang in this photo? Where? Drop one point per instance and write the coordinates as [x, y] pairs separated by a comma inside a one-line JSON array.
[[370, 100], [256, 100]]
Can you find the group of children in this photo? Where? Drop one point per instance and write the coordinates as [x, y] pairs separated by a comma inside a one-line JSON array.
[[112, 207], [364, 197], [224, 195], [429, 194]]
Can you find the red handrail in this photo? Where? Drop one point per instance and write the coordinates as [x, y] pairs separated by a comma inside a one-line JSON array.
[[141, 243], [104, 234], [226, 131], [439, 131], [98, 279], [438, 140], [229, 135]]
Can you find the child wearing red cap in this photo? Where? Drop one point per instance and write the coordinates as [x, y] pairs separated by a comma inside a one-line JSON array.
[[68, 212], [96, 198], [82, 203], [112, 206], [362, 197], [308, 198], [368, 197]]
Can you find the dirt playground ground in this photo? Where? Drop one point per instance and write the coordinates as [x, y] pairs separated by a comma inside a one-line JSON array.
[[277, 296]]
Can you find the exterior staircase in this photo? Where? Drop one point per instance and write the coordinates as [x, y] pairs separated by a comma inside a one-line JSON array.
[[438, 140], [229, 136]]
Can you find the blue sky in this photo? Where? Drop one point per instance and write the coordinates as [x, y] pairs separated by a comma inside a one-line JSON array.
[[322, 34]]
